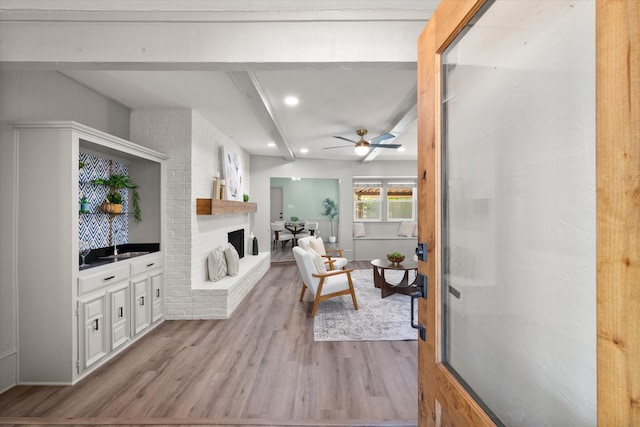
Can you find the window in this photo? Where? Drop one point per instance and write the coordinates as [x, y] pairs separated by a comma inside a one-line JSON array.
[[366, 201], [400, 198], [384, 200]]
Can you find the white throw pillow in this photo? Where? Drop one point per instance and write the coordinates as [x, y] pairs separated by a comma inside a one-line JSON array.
[[318, 262], [217, 264], [233, 260], [406, 228], [318, 246], [358, 229]]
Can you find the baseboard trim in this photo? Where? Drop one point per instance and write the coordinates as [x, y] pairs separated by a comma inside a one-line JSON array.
[[205, 421]]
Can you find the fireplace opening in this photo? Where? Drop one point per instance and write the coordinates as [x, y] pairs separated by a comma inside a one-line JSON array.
[[236, 238]]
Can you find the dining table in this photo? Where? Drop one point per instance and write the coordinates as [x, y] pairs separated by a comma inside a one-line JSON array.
[[295, 227]]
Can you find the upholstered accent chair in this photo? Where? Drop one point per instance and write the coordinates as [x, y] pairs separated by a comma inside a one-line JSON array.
[[281, 235], [321, 283], [333, 257]]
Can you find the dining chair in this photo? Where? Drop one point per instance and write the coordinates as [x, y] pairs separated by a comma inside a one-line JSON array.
[[312, 226], [321, 283], [280, 235]]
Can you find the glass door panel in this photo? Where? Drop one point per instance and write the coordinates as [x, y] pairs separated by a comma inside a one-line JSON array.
[[518, 211]]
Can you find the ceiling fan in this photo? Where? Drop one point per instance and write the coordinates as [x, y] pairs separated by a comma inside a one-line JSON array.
[[362, 147]]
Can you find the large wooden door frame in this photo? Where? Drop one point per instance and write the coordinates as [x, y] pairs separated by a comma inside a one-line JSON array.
[[442, 400]]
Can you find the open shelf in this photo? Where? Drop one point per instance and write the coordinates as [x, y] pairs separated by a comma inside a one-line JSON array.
[[223, 207]]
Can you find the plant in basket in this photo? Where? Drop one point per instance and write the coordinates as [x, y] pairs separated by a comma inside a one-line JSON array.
[[395, 257], [113, 202]]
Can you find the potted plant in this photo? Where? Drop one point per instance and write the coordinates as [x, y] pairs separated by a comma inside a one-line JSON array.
[[84, 205], [245, 197], [113, 201], [331, 212]]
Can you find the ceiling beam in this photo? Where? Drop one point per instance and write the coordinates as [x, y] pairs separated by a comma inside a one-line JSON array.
[[406, 113], [216, 10], [255, 96]]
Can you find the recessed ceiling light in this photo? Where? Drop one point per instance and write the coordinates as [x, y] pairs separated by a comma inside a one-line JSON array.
[[304, 150], [291, 100], [271, 144], [402, 149]]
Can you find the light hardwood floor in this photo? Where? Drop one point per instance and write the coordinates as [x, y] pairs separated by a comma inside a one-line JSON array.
[[260, 367]]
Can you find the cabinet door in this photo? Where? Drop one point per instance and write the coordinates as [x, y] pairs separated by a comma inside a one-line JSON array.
[[141, 304], [120, 310], [157, 290], [94, 329]]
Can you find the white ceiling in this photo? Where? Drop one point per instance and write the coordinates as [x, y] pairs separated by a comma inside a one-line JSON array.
[[245, 100]]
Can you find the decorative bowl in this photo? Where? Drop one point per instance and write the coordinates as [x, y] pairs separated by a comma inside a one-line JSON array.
[[395, 258]]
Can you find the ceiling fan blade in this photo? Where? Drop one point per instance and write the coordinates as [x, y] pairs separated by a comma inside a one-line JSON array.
[[385, 145], [382, 137], [340, 146], [344, 139]]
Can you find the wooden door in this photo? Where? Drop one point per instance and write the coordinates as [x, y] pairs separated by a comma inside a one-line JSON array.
[[443, 398], [277, 204]]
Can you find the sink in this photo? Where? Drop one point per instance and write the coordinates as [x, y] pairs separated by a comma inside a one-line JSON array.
[[125, 255]]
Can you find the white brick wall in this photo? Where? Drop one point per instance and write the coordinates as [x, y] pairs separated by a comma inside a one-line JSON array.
[[169, 131], [193, 146]]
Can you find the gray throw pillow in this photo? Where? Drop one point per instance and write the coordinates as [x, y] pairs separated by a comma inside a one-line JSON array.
[[217, 264], [233, 260]]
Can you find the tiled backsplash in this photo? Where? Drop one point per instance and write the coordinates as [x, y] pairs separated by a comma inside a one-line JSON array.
[[94, 226]]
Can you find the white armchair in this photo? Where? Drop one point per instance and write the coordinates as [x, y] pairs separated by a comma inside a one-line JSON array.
[[321, 283], [333, 256]]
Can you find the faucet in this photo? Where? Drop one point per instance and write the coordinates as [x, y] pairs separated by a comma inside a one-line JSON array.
[[113, 237]]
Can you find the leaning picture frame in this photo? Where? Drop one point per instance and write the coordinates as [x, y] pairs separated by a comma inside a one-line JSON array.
[[232, 174]]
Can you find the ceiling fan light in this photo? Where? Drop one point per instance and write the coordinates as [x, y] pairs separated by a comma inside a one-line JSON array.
[[362, 149]]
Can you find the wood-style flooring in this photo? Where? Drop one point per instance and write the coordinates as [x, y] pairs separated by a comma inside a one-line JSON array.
[[260, 367]]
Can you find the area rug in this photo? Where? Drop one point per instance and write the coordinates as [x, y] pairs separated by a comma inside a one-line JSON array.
[[376, 319]]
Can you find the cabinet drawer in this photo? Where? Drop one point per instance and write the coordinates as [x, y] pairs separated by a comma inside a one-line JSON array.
[[149, 263], [106, 278]]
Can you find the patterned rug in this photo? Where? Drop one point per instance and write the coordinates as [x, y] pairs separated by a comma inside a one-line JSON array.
[[376, 319]]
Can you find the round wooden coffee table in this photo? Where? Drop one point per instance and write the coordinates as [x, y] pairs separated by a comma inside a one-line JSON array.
[[386, 288]]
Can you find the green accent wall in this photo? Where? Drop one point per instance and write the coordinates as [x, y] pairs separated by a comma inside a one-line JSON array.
[[306, 196]]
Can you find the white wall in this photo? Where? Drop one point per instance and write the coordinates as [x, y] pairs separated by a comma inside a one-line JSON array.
[[210, 231], [264, 168], [193, 146], [36, 95]]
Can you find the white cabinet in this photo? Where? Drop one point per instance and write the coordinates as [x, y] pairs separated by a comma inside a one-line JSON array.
[[146, 283], [115, 308], [93, 337], [141, 304], [68, 319], [157, 290], [120, 315]]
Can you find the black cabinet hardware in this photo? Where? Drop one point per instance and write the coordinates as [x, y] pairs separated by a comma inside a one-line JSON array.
[[421, 283]]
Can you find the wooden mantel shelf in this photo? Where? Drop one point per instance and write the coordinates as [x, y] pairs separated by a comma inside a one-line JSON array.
[[223, 207]]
